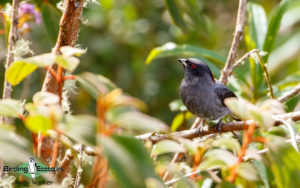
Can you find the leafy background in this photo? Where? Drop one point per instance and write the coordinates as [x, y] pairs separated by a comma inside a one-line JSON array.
[[136, 45]]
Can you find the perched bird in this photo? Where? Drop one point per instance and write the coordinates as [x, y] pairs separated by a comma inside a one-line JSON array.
[[201, 93]]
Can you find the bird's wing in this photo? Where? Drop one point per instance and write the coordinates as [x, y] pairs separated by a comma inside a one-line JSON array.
[[223, 92]]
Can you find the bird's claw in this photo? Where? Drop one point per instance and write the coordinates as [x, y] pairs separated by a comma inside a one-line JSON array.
[[200, 131], [218, 126]]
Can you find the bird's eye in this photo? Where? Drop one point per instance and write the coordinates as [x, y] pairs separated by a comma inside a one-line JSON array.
[[193, 66]]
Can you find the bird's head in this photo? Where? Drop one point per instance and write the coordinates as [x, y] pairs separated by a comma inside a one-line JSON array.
[[196, 68]]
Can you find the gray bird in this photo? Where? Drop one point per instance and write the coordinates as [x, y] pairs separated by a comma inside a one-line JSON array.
[[201, 93]]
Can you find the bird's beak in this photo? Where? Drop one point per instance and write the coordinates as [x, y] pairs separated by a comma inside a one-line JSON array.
[[183, 61]]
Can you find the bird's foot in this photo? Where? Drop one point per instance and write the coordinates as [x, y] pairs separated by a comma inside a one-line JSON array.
[[200, 130], [218, 126]]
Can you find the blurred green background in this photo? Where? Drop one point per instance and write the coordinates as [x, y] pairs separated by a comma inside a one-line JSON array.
[[119, 36]]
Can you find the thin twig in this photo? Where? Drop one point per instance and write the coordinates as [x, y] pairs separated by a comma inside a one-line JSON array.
[[244, 57], [12, 38], [266, 73], [79, 168], [291, 131], [207, 130], [226, 72], [65, 164], [289, 94]]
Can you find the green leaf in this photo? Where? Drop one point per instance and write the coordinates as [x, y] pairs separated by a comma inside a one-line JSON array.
[[248, 111], [166, 146], [38, 123], [176, 14], [281, 56], [262, 172], [273, 27], [217, 158], [11, 108], [138, 121], [284, 163], [177, 121], [95, 84], [247, 171], [24, 67], [226, 142], [67, 62], [87, 126], [128, 160], [14, 148], [18, 71], [258, 23], [171, 49], [51, 17]]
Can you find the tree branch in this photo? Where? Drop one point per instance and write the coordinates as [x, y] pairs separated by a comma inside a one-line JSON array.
[[207, 130], [289, 94], [226, 72], [79, 168], [68, 33], [12, 38]]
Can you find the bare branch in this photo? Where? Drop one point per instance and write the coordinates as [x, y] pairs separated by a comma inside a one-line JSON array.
[[12, 38], [65, 164], [225, 127], [79, 168], [226, 72], [244, 57], [289, 94]]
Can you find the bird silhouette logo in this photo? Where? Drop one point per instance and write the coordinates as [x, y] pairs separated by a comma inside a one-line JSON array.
[[32, 167]]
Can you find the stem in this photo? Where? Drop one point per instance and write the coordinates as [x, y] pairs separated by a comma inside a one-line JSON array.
[[226, 72], [263, 65], [246, 142], [12, 38], [289, 94], [68, 33], [79, 169]]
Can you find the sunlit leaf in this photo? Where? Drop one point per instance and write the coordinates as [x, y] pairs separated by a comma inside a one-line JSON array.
[[273, 27], [127, 157], [177, 121], [51, 17], [141, 122], [71, 51], [258, 23], [247, 111], [11, 108], [38, 124], [22, 68], [217, 158], [67, 62], [45, 98], [247, 171], [171, 49], [229, 143], [282, 55], [95, 84], [166, 146]]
